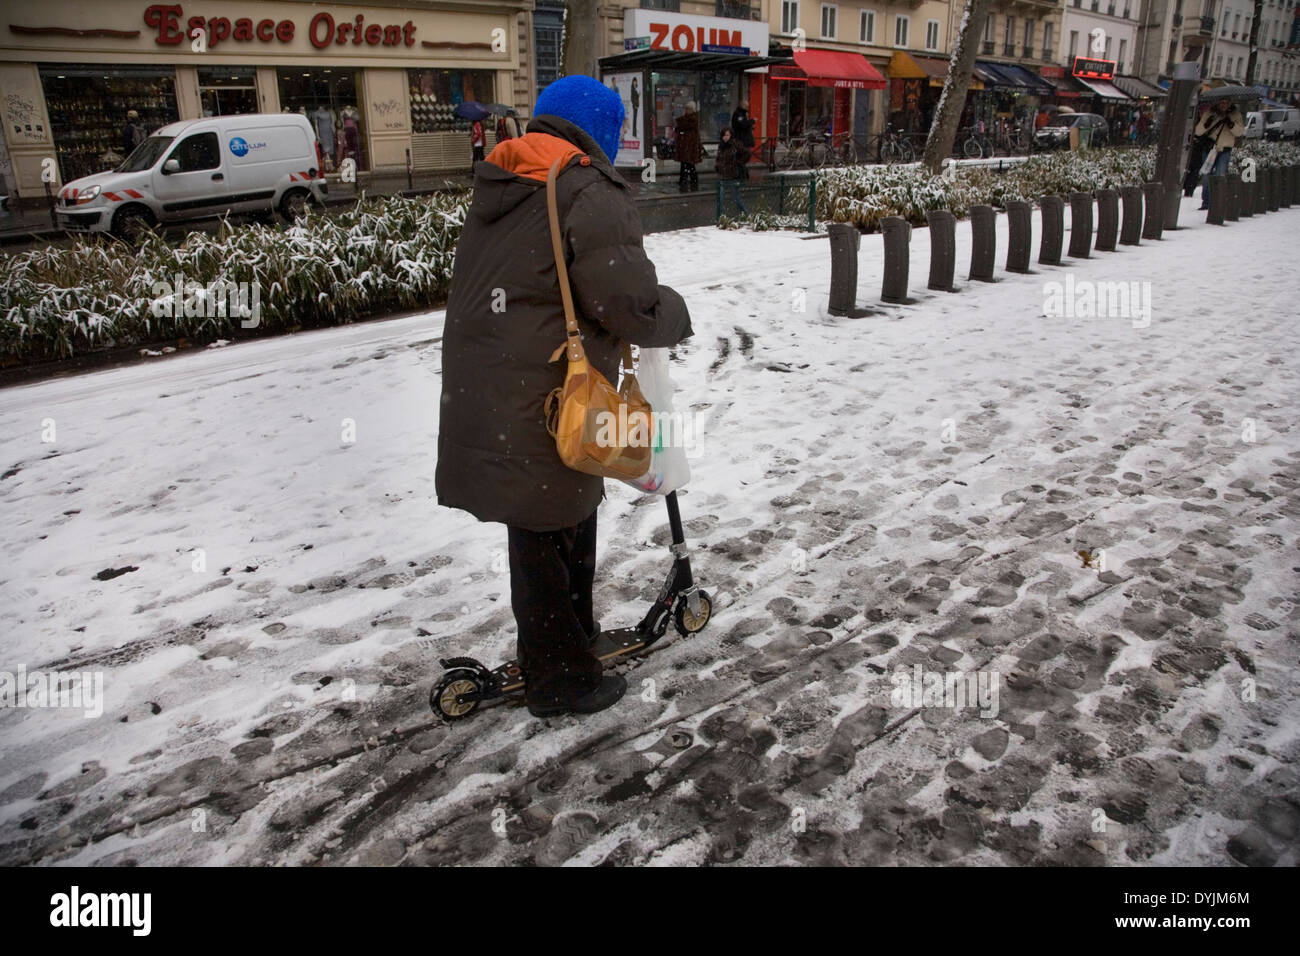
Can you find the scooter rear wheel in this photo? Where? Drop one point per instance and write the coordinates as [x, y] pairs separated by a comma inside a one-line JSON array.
[[442, 698], [689, 623]]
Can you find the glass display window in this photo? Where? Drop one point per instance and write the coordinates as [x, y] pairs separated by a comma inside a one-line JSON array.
[[227, 90], [327, 96], [88, 107], [436, 93]]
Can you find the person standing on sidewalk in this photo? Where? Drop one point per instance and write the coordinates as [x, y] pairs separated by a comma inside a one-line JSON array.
[[1223, 125], [477, 141], [742, 128], [731, 167], [133, 134], [689, 149], [504, 319]]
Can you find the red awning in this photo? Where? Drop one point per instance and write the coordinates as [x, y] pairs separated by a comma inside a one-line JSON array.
[[849, 71]]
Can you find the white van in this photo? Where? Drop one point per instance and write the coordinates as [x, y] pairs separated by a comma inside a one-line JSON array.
[[1254, 126], [197, 169], [1281, 123]]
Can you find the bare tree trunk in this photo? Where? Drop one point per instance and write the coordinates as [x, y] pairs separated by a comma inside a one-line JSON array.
[[947, 114], [582, 39], [1253, 60]]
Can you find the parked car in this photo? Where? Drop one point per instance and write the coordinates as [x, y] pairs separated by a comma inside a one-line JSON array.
[[1254, 125], [1056, 134], [1281, 124], [197, 169]]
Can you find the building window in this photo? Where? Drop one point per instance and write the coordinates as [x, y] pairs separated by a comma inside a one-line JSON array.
[[1123, 50], [733, 11], [1128, 8], [227, 90], [1029, 38], [1074, 44], [1009, 32], [1047, 41], [829, 13], [988, 29], [328, 97], [900, 31], [671, 5], [789, 15], [1218, 65], [932, 34], [868, 26]]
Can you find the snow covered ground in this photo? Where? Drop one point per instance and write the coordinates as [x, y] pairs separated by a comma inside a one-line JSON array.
[[910, 489]]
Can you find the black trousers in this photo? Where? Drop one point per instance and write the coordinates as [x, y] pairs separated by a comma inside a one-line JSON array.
[[551, 575]]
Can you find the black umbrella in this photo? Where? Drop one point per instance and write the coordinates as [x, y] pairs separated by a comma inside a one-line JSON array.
[[1230, 93], [499, 109], [471, 110]]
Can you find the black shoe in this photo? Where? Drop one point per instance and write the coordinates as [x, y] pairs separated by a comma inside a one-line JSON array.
[[606, 694]]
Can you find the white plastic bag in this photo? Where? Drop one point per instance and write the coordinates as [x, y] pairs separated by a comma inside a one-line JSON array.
[[1210, 157], [669, 469]]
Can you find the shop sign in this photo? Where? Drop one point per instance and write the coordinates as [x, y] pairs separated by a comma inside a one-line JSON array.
[[733, 50], [636, 43], [1094, 69], [171, 28], [685, 33]]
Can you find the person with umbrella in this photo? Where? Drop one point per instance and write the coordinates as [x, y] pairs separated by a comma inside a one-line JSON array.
[[1222, 126], [475, 113]]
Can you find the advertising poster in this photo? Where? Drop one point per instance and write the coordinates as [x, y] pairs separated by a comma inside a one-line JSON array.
[[631, 146]]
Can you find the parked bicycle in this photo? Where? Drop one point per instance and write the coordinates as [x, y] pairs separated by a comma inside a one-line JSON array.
[[893, 146]]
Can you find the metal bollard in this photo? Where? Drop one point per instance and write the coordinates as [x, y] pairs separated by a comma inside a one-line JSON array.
[[984, 243], [1214, 215], [1261, 189], [1246, 199], [1284, 192], [1293, 174], [1130, 233], [1080, 225], [1107, 219], [898, 234], [1274, 188], [1155, 217], [1232, 198], [845, 243], [1020, 221], [1053, 215], [943, 249]]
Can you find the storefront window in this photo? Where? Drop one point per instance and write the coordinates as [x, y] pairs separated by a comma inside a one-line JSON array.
[[672, 91], [806, 109], [88, 107], [228, 90], [327, 97], [435, 94]]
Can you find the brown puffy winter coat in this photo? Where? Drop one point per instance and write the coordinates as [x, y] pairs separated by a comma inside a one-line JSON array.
[[689, 149], [505, 318]]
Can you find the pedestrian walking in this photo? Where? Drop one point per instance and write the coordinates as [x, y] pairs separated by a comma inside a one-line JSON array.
[[134, 133], [1222, 126], [505, 317], [477, 141], [742, 128], [689, 149]]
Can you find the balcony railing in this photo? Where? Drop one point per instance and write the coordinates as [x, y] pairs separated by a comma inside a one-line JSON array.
[[1028, 51], [988, 48], [1207, 25], [1048, 55], [1008, 49]]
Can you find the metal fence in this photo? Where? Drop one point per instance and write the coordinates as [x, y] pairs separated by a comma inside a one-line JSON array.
[[772, 201]]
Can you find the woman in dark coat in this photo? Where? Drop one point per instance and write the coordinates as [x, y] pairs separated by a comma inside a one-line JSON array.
[[504, 319], [731, 166], [689, 150]]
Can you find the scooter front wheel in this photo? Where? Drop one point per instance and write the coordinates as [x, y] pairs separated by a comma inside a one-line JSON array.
[[690, 623], [444, 696]]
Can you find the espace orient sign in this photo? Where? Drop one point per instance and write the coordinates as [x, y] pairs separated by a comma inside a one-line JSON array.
[[171, 27], [683, 33]]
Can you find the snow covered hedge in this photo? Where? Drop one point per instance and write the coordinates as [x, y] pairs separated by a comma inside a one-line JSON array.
[[1266, 154], [863, 195], [382, 255]]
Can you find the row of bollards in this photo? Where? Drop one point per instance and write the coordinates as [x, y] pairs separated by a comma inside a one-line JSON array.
[[1127, 215]]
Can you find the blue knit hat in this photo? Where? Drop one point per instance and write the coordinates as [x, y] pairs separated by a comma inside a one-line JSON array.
[[586, 103]]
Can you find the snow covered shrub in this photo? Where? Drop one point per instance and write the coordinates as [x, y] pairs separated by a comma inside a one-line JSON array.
[[1265, 154], [864, 195], [394, 253]]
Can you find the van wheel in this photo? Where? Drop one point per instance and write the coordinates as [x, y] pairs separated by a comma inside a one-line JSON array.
[[294, 204], [131, 224]]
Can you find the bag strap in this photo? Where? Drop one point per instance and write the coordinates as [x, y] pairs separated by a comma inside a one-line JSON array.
[[573, 341], [573, 344]]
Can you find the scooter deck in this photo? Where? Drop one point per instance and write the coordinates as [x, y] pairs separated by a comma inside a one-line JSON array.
[[609, 645]]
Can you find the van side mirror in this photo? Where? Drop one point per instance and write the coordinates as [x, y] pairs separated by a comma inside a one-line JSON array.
[[171, 166]]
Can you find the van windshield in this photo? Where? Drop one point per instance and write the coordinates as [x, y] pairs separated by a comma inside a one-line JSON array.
[[146, 154], [1065, 119]]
